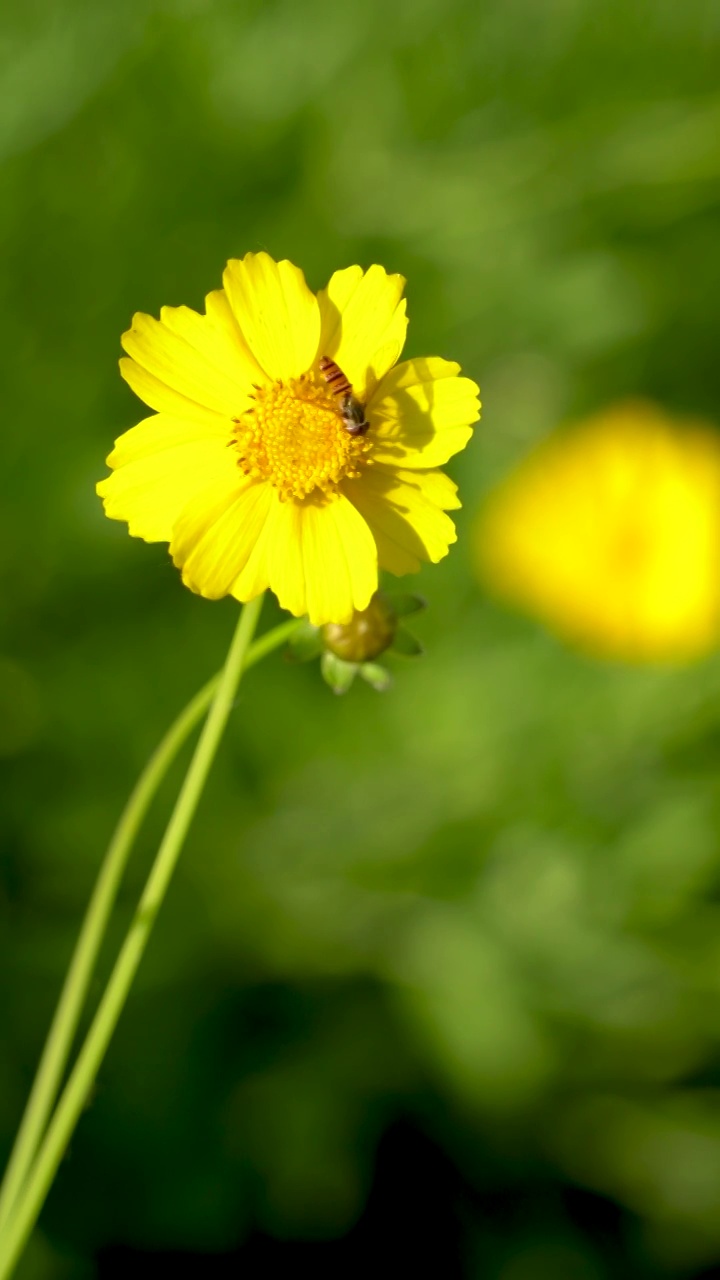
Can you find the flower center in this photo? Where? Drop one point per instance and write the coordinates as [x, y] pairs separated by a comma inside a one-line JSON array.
[[294, 436]]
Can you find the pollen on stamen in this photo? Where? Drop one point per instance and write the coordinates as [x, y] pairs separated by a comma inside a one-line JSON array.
[[294, 437]]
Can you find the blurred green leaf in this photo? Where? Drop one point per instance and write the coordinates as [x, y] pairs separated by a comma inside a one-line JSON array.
[[406, 644], [305, 643], [376, 676], [338, 674], [405, 603]]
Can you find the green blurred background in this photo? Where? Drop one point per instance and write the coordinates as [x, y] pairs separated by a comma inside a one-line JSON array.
[[437, 985]]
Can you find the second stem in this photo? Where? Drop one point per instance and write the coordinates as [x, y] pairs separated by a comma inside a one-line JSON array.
[[77, 1089]]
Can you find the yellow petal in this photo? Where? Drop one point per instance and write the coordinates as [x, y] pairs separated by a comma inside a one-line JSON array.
[[286, 571], [363, 324], [253, 577], [421, 413], [218, 532], [436, 488], [322, 559], [165, 399], [164, 431], [276, 312], [206, 374], [150, 491], [217, 337], [402, 511]]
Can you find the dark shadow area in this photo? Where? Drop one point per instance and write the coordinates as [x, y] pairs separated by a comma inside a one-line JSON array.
[[411, 1224], [424, 1218]]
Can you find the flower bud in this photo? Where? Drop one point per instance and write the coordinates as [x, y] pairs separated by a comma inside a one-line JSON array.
[[369, 632]]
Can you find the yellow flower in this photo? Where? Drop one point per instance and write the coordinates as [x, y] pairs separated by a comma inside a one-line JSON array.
[[610, 533], [258, 471]]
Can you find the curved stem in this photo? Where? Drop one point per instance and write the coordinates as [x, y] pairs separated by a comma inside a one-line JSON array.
[[59, 1040]]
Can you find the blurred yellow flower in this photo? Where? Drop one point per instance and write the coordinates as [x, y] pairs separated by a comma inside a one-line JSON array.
[[610, 533], [288, 449]]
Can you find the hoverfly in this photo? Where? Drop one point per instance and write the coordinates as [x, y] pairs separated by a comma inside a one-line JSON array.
[[352, 411]]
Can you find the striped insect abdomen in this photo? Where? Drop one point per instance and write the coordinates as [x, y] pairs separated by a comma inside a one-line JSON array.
[[334, 377], [353, 413]]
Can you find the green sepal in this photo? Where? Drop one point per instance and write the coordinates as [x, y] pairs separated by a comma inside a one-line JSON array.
[[338, 674], [376, 676], [305, 643], [405, 603], [406, 644]]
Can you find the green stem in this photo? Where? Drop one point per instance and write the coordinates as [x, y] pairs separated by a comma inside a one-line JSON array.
[[72, 997], [24, 1211]]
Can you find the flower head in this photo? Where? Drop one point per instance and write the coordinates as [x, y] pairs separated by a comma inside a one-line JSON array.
[[610, 533], [288, 449]]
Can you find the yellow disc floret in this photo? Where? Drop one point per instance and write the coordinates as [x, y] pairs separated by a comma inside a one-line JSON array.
[[294, 437]]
